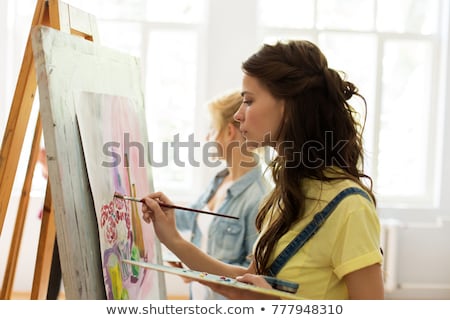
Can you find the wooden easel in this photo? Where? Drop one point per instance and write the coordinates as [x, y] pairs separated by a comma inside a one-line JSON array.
[[61, 16]]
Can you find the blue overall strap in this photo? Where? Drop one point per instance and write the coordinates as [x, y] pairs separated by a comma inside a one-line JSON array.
[[311, 229]]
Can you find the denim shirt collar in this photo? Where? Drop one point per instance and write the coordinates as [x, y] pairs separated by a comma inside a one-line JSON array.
[[245, 181], [237, 187]]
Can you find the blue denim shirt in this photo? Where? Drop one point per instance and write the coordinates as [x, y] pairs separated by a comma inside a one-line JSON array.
[[229, 240]]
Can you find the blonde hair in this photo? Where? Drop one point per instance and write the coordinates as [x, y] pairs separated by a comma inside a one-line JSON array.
[[223, 108]]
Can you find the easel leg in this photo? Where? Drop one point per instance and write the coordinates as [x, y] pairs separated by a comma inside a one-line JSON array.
[[8, 279], [54, 284], [45, 250]]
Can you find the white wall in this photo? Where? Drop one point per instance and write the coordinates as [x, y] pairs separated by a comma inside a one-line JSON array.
[[424, 238]]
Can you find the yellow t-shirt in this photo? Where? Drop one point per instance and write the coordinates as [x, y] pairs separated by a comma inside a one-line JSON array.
[[348, 241]]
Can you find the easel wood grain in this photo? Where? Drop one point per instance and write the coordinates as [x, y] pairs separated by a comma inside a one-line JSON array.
[[58, 15]]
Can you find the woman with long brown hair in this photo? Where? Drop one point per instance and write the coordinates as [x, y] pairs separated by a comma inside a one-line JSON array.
[[319, 227]]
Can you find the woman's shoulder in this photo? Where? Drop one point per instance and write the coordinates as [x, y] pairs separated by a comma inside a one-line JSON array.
[[259, 187], [347, 190], [254, 182]]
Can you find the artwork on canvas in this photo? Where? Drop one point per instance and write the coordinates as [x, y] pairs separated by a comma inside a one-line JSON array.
[[114, 137], [93, 119]]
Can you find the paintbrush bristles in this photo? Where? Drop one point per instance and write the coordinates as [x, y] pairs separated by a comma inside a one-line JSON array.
[[121, 196], [118, 195]]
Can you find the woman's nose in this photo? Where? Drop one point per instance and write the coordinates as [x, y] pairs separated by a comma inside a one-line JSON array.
[[239, 115]]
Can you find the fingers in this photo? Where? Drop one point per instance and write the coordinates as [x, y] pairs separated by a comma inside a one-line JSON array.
[[254, 279], [229, 292], [146, 214], [175, 264], [150, 205], [150, 209], [159, 197], [186, 280], [179, 265]]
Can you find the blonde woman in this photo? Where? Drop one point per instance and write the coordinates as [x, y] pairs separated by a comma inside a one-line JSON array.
[[236, 190]]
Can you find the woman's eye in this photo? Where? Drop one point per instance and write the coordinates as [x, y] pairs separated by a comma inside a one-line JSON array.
[[247, 102]]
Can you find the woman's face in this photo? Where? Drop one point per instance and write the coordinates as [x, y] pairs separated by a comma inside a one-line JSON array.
[[215, 136], [261, 114], [224, 139]]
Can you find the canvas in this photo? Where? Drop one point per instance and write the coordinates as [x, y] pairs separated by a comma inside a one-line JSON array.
[[91, 104], [113, 135]]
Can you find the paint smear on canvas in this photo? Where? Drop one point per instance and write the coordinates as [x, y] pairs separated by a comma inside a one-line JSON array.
[[114, 135]]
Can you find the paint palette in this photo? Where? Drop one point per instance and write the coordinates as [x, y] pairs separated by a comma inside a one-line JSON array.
[[208, 277]]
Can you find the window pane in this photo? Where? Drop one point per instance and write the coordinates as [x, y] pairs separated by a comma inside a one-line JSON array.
[[130, 40], [358, 60], [403, 137], [187, 11], [408, 16], [113, 9], [274, 37], [170, 100], [287, 13], [349, 14]]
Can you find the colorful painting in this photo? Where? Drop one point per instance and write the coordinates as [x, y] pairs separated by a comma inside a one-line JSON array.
[[114, 135]]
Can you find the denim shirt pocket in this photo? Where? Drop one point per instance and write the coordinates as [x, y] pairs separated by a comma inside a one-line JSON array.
[[228, 244]]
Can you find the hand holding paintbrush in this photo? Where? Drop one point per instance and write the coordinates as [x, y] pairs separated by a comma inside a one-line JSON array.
[[172, 206], [163, 220]]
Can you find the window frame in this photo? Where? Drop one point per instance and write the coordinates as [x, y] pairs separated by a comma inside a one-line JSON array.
[[431, 197]]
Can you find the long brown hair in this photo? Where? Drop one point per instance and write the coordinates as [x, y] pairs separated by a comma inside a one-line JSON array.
[[316, 111]]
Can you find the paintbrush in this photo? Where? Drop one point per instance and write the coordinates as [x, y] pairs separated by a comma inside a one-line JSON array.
[[172, 206]]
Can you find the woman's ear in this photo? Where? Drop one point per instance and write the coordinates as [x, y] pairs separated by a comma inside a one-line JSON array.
[[231, 131]]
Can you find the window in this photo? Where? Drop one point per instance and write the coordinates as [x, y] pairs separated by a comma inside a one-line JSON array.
[[165, 35], [391, 50]]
